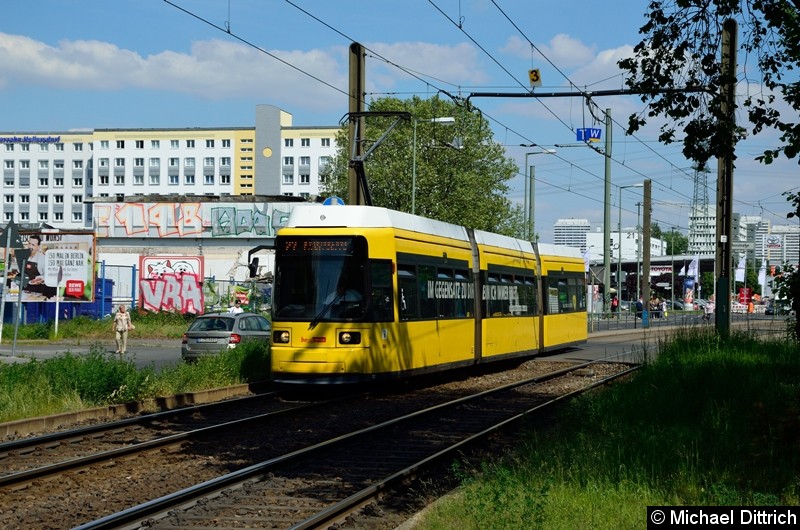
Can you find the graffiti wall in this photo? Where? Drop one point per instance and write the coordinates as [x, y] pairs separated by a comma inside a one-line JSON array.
[[171, 283], [190, 219]]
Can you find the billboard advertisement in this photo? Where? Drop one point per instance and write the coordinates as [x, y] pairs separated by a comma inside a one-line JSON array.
[[56, 266]]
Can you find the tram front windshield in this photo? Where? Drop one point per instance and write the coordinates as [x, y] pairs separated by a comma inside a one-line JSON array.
[[319, 279]]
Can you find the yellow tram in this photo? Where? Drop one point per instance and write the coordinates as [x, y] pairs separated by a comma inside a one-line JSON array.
[[364, 293]]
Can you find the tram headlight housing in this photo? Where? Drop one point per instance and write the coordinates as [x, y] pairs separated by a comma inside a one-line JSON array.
[[280, 337], [349, 337]]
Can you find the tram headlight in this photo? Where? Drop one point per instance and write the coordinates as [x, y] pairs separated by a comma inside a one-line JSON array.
[[349, 337], [280, 337]]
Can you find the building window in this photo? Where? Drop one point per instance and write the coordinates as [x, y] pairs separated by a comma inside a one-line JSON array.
[[58, 199], [58, 216], [305, 160], [118, 179], [288, 161], [58, 182], [155, 180], [24, 217], [59, 146], [44, 147], [174, 144], [8, 182], [225, 179], [77, 216], [77, 198], [58, 164], [288, 142], [155, 162], [77, 182], [77, 164], [188, 162], [208, 161], [120, 144], [78, 146], [190, 144], [103, 144], [139, 144], [104, 180], [102, 162], [24, 199], [138, 162], [226, 143], [43, 198], [155, 144], [24, 164], [42, 217], [189, 180], [10, 199], [288, 179], [9, 164], [43, 182], [119, 162], [9, 147], [208, 179], [173, 162], [305, 179], [209, 144], [8, 217], [174, 180], [138, 180], [305, 142], [326, 142], [225, 161]]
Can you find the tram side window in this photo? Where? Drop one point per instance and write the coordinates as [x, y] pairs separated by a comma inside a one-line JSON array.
[[463, 304], [447, 305], [426, 276], [407, 284], [381, 295], [565, 294]]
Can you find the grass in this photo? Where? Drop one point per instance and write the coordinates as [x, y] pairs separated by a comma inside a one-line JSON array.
[[148, 325], [709, 422], [71, 382]]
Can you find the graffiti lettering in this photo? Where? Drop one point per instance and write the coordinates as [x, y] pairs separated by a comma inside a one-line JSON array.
[[189, 219], [172, 292]]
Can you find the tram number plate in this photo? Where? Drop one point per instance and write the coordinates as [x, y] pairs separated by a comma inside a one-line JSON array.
[[207, 339]]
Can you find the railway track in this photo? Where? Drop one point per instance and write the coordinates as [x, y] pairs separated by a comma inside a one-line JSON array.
[[330, 480]]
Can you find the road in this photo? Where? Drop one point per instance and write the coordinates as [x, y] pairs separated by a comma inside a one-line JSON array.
[[159, 353]]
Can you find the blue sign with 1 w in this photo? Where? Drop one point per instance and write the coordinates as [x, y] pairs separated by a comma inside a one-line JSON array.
[[588, 135]]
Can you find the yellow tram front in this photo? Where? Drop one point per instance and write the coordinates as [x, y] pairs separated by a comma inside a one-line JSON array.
[[329, 301]]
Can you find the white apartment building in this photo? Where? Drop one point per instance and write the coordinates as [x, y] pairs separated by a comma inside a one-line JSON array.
[[48, 175], [703, 230], [571, 232], [632, 246]]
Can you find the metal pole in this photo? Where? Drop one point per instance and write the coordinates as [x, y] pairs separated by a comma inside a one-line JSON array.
[[619, 248], [414, 171], [531, 212], [638, 251], [607, 215]]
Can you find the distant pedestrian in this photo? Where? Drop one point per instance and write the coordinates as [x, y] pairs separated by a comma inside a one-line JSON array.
[[236, 307], [709, 310], [639, 307], [614, 306], [122, 324]]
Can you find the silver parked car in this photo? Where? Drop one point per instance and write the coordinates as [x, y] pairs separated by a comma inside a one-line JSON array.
[[213, 332]]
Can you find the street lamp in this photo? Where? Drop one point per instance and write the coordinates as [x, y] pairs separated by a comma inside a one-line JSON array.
[[448, 120], [530, 194], [619, 228]]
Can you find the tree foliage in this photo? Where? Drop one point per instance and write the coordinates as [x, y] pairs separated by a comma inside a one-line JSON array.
[[465, 185], [681, 48]]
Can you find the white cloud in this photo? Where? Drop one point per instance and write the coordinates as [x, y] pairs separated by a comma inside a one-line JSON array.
[[562, 50]]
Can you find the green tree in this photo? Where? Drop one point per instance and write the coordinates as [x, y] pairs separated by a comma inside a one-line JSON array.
[[465, 184], [677, 243], [789, 280], [681, 48]]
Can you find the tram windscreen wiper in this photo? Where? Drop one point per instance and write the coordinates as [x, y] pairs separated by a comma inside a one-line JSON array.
[[324, 310]]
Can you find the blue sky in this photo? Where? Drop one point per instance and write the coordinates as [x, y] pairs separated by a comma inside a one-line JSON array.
[[72, 64]]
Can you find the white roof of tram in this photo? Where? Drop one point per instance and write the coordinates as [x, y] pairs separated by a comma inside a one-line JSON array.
[[323, 216]]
